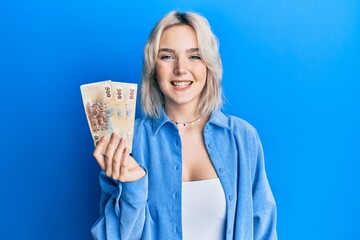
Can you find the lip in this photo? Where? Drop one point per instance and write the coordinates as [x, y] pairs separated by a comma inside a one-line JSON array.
[[181, 85]]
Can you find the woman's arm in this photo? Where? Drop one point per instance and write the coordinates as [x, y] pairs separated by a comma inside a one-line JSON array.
[[124, 193], [263, 201], [122, 209]]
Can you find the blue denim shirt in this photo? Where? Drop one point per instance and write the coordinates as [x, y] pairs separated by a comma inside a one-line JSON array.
[[150, 208]]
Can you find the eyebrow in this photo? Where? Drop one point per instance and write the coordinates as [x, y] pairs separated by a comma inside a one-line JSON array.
[[190, 50]]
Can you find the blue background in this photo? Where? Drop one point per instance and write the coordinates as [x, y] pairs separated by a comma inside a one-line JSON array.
[[291, 68]]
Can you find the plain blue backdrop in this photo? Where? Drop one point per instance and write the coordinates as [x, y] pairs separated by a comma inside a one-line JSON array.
[[291, 68]]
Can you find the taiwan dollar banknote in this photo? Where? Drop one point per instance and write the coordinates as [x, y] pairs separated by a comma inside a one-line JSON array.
[[110, 108]]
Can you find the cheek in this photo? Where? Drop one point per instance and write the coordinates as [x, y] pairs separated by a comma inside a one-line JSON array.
[[160, 71], [201, 72]]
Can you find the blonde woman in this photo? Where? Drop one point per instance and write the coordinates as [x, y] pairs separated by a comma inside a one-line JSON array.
[[194, 172]]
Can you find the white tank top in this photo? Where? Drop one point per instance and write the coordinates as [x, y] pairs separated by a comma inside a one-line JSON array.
[[203, 210]]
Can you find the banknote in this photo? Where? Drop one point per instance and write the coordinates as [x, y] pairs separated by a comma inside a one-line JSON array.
[[130, 106], [106, 109], [120, 101]]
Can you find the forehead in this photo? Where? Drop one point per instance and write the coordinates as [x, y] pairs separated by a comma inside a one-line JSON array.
[[177, 36]]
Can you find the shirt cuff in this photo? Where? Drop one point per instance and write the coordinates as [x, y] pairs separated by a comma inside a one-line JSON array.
[[135, 192]]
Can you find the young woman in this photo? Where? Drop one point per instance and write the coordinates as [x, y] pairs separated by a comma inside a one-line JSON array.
[[194, 172]]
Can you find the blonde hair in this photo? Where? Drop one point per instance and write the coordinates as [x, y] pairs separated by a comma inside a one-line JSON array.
[[152, 99]]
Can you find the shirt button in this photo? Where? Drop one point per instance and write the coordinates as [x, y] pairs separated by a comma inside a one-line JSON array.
[[221, 170], [176, 195], [230, 197], [229, 231], [176, 229], [210, 145], [176, 167]]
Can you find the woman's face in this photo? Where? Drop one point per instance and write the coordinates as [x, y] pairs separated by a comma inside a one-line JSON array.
[[180, 71]]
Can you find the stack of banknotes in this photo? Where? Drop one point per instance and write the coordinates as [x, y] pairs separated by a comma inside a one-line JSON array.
[[110, 108]]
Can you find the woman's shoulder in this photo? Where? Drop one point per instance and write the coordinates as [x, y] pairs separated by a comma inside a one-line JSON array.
[[143, 120], [145, 123], [242, 129], [235, 123]]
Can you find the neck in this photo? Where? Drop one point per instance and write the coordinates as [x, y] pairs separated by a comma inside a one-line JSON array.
[[182, 114]]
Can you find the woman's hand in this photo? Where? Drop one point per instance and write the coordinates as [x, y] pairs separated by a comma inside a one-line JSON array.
[[117, 162]]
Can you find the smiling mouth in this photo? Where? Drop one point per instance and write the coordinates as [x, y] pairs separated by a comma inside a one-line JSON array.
[[181, 84]]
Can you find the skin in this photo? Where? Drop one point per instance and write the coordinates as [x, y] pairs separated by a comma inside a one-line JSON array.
[[181, 75], [179, 63], [116, 162], [180, 72]]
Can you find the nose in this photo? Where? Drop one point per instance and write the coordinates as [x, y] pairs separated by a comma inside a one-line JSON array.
[[180, 66]]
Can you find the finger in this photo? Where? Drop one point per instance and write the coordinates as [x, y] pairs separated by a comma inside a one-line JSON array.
[[117, 159], [124, 166], [98, 153], [109, 154], [136, 173], [125, 159], [132, 174]]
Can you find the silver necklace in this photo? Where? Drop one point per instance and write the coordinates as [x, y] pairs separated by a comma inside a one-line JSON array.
[[187, 123]]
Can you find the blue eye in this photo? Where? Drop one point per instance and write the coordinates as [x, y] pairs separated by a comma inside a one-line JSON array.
[[195, 57], [166, 57]]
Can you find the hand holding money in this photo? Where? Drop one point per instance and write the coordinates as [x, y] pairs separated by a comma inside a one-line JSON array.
[[116, 162]]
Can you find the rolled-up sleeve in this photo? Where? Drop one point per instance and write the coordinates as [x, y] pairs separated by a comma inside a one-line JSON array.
[[122, 209], [263, 200]]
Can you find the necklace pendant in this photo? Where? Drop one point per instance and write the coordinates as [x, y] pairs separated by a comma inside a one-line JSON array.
[[192, 123]]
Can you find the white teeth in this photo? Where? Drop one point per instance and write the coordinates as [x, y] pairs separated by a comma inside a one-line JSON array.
[[181, 84]]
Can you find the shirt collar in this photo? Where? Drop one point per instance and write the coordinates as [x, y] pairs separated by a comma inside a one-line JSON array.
[[217, 118], [157, 123]]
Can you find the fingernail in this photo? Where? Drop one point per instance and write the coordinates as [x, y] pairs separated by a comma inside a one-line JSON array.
[[113, 136]]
